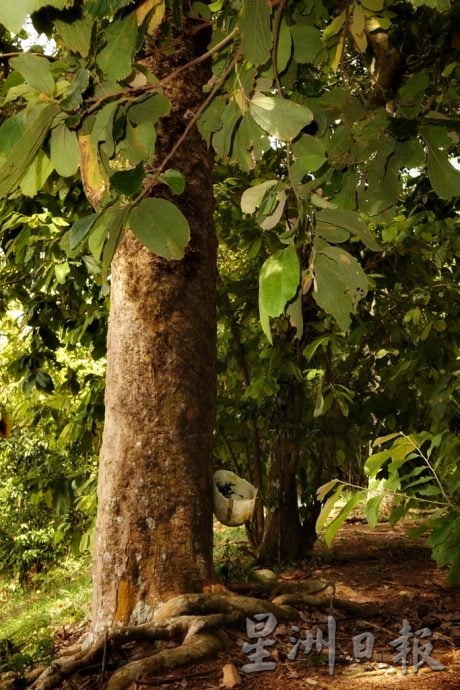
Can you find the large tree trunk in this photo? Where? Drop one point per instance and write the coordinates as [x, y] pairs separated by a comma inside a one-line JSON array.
[[154, 525]]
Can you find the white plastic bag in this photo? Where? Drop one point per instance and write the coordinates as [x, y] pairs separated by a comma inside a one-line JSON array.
[[234, 498]]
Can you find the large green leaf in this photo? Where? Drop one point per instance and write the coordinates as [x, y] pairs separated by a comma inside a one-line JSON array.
[[13, 13], [256, 37], [161, 227], [115, 60], [340, 283], [76, 36], [279, 280], [444, 178], [347, 220], [36, 71], [308, 43], [65, 150], [278, 116], [25, 149]]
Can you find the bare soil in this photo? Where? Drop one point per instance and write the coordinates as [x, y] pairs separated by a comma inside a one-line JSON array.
[[380, 568]]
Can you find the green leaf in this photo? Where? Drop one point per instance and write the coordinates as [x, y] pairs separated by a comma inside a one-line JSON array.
[[374, 5], [115, 60], [444, 178], [161, 227], [327, 508], [323, 490], [115, 231], [375, 462], [128, 182], [254, 24], [340, 283], [279, 280], [265, 324], [103, 8], [384, 439], [76, 36], [347, 220], [25, 149], [64, 150], [412, 93], [80, 229], [11, 131], [37, 174], [372, 509], [174, 179], [278, 116], [308, 43], [13, 13], [336, 524], [96, 240], [36, 71], [309, 154], [140, 142], [150, 109], [43, 381], [223, 138], [294, 311], [73, 94], [284, 47], [253, 196], [61, 272]]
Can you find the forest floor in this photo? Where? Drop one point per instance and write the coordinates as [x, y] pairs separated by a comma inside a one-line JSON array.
[[380, 568]]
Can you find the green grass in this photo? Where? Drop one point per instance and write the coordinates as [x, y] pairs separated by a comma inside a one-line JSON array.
[[232, 558], [30, 616]]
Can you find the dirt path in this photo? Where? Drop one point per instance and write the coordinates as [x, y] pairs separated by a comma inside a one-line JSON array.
[[381, 568]]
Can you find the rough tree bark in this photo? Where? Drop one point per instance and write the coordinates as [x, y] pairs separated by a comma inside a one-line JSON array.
[[154, 525]]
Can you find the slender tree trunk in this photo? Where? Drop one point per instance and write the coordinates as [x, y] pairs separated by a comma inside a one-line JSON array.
[[154, 525], [283, 538]]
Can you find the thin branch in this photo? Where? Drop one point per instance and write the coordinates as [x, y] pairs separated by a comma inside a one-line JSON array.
[[389, 492], [201, 58], [190, 126], [140, 91]]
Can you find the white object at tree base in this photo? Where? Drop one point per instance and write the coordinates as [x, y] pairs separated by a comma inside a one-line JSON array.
[[234, 498]]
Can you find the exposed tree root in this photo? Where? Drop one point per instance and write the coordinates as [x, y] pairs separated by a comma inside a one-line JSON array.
[[197, 621], [195, 648]]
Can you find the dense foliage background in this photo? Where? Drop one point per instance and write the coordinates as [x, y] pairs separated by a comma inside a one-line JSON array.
[[335, 128]]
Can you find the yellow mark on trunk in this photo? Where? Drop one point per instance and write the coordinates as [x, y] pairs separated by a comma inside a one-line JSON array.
[[126, 597]]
